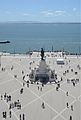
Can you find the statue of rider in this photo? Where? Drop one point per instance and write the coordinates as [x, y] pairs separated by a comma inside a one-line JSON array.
[[42, 54]]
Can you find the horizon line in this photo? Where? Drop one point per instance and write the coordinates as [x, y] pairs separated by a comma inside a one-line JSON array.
[[35, 22]]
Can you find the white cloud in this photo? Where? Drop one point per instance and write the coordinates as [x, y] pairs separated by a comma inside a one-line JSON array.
[[53, 13], [74, 9], [26, 14], [47, 13], [60, 13]]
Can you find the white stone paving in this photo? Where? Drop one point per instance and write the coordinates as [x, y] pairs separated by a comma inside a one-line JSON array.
[[32, 98]]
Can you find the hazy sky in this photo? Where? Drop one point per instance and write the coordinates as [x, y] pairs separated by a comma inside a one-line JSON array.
[[40, 10]]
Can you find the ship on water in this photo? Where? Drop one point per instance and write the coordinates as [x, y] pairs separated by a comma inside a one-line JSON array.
[[4, 42]]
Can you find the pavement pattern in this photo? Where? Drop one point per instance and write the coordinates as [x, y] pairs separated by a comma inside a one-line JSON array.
[[55, 102]]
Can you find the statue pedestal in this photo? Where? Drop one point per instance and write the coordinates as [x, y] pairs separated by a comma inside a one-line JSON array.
[[42, 67], [42, 73]]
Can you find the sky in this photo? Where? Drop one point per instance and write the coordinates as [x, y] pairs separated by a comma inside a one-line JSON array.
[[40, 10]]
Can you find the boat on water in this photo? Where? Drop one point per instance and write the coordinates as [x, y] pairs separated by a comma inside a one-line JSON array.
[[4, 42]]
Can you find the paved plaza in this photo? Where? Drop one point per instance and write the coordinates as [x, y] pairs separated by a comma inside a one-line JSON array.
[[55, 101]]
